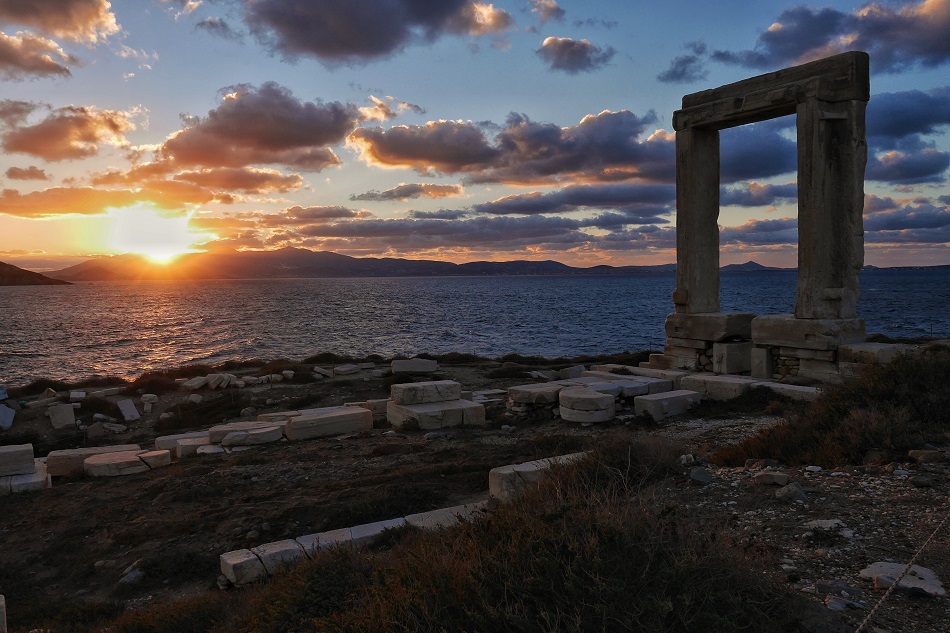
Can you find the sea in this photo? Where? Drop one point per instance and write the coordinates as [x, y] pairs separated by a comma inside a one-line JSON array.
[[123, 329]]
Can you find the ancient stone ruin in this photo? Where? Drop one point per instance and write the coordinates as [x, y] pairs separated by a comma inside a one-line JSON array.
[[824, 337]]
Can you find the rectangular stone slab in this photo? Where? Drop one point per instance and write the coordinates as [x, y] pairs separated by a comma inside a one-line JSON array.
[[665, 405], [68, 462], [62, 416], [129, 412], [445, 517], [784, 330], [114, 464], [329, 421], [189, 446], [242, 566], [6, 417], [414, 366], [672, 375], [435, 415], [360, 534], [537, 393], [279, 554], [507, 482], [424, 392], [33, 482], [216, 434], [16, 459], [709, 326], [718, 387], [168, 442]]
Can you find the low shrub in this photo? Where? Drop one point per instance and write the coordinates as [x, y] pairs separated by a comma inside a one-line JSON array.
[[897, 406]]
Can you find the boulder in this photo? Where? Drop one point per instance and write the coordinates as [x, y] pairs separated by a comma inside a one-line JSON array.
[[69, 462], [16, 459], [423, 392], [320, 371], [329, 421], [149, 398], [114, 464]]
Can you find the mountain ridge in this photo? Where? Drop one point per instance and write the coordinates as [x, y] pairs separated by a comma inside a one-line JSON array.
[[11, 275]]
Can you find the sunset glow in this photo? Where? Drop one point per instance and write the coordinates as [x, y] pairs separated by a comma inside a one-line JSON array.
[[147, 231]]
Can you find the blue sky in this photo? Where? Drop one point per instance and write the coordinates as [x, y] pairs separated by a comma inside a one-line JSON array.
[[439, 129]]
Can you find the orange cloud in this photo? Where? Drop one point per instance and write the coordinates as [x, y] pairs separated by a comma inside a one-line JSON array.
[[87, 21], [27, 55], [63, 201], [27, 173], [69, 133], [245, 179]]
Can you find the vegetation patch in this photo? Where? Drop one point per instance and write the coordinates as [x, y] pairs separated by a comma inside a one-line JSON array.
[[893, 407]]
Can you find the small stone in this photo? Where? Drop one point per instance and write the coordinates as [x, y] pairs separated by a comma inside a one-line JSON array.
[[792, 492], [149, 398], [195, 398], [132, 577], [836, 604], [771, 479], [700, 475], [814, 469], [435, 435], [901, 472], [921, 481]]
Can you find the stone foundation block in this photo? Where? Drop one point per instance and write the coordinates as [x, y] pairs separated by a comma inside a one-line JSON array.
[[631, 387], [425, 392], [784, 330], [762, 363], [313, 542], [586, 417], [361, 534], [329, 421], [813, 354], [732, 358], [31, 482], [718, 387], [709, 326], [189, 446], [242, 567], [697, 344], [665, 405], [507, 482], [69, 462], [585, 399], [114, 464], [538, 393], [279, 554], [62, 416], [445, 517], [156, 459], [435, 415], [673, 376], [216, 434], [414, 366], [168, 442], [17, 459], [253, 437]]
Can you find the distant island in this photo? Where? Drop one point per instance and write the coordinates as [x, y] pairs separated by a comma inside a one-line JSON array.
[[10, 275], [301, 263]]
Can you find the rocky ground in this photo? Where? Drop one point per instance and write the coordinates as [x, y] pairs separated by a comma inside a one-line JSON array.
[[157, 535]]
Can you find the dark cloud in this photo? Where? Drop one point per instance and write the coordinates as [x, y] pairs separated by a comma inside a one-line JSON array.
[[14, 113], [754, 194], [686, 68], [922, 215], [595, 23], [27, 173], [574, 56], [68, 133], [920, 165], [243, 179], [757, 151], [761, 232], [260, 126], [218, 27], [895, 115], [307, 216], [89, 21], [409, 191], [635, 199], [896, 37], [25, 55], [356, 31], [441, 214], [945, 200]]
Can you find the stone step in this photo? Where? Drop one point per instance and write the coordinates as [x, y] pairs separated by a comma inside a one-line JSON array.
[[435, 415], [718, 387], [795, 392], [667, 404]]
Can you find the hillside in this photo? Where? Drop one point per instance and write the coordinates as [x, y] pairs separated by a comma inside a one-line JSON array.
[[10, 275]]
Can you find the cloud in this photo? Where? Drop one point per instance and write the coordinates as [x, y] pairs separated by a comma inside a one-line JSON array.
[[916, 165], [244, 179], [754, 194], [86, 21], [26, 173], [915, 33], [761, 232], [757, 151], [27, 55], [896, 115], [13, 112], [261, 126], [361, 30], [922, 215], [547, 10], [69, 133], [386, 108], [633, 198], [686, 68], [409, 191], [218, 27], [63, 201], [573, 56], [307, 216], [441, 214], [602, 147]]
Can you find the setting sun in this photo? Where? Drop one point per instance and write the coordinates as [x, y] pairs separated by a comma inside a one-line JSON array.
[[157, 235]]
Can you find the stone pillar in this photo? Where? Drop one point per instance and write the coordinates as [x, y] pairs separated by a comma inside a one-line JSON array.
[[832, 155], [697, 221]]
